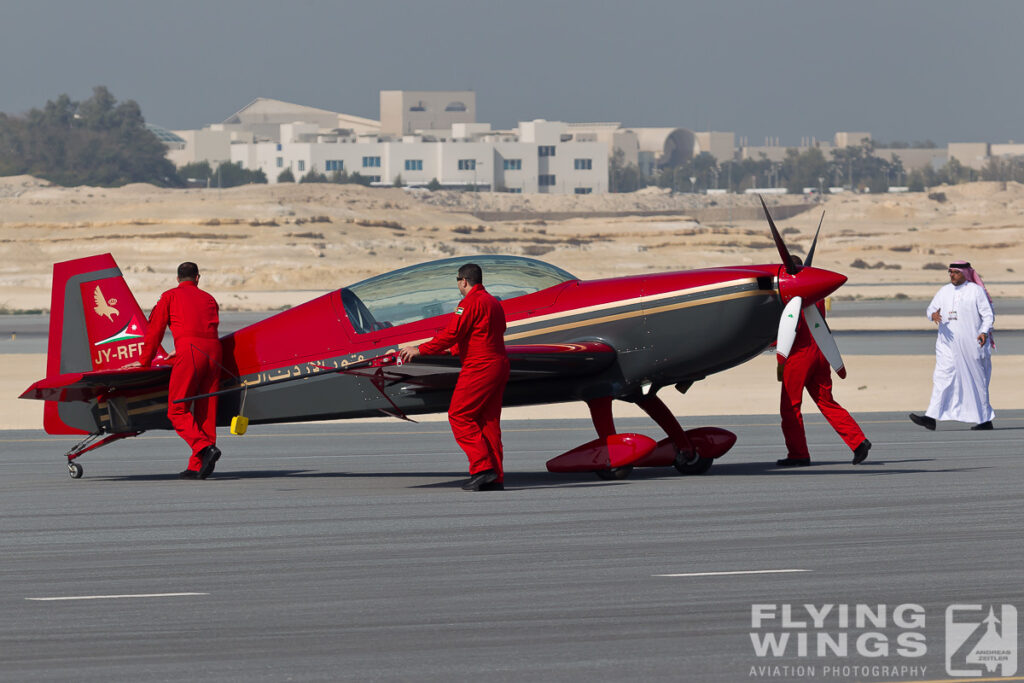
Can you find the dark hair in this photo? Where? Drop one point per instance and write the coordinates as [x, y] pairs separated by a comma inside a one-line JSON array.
[[471, 273], [188, 271]]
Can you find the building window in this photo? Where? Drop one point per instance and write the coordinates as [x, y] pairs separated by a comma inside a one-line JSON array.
[[419, 106], [455, 106], [513, 164], [279, 147], [334, 165], [515, 190], [374, 178], [583, 190], [280, 162], [546, 151], [414, 164], [583, 164], [467, 164], [546, 180], [302, 165], [369, 162]]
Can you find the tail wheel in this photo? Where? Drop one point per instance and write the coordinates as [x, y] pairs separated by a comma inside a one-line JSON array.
[[614, 473], [690, 463]]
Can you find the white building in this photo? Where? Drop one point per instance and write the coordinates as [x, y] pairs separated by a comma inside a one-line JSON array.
[[261, 119], [539, 156], [405, 112], [720, 145]]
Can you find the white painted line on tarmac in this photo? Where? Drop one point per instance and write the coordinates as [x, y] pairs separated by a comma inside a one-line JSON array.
[[749, 571], [116, 597]]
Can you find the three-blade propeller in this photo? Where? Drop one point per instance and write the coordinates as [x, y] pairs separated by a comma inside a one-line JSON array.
[[795, 306]]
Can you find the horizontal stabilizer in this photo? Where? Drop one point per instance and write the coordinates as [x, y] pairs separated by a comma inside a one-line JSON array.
[[85, 386]]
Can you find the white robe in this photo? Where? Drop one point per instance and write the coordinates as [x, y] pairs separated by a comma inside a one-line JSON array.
[[963, 368]]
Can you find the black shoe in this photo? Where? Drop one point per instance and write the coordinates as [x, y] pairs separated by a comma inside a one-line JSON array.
[[983, 427], [493, 486], [479, 479], [793, 462], [188, 474], [923, 421], [861, 452], [209, 455]]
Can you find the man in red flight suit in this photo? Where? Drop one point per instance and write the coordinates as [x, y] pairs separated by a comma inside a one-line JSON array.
[[476, 330], [806, 367], [193, 316]]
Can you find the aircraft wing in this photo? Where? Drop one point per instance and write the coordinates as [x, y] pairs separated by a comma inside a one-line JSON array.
[[526, 361], [84, 386]]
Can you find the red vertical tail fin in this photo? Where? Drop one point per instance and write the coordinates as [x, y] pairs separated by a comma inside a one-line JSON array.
[[95, 324]]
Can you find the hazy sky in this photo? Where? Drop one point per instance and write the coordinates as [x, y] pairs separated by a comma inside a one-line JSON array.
[[901, 70]]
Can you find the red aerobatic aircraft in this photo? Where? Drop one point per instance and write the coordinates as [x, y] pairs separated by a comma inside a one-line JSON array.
[[336, 356]]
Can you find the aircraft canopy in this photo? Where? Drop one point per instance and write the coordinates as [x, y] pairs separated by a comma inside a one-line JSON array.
[[429, 289]]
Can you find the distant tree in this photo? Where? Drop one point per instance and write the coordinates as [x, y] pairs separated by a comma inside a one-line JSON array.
[[313, 177], [802, 169], [1004, 169], [859, 168], [666, 177], [705, 169], [897, 144], [198, 171], [622, 177], [955, 172], [398, 181], [95, 142], [339, 177], [915, 181], [232, 175], [286, 176], [878, 183], [360, 179], [433, 185]]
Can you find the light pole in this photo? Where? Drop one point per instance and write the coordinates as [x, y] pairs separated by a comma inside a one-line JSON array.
[[693, 184], [821, 188]]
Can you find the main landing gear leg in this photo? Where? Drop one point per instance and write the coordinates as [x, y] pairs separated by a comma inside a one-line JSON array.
[[604, 424], [687, 459]]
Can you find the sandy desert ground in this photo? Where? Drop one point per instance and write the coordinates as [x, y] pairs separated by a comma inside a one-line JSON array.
[[262, 247], [267, 247]]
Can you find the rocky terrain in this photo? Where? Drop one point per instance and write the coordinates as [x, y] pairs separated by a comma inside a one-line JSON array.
[[264, 247]]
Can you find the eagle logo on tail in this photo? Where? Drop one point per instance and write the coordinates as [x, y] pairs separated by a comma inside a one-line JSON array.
[[103, 306]]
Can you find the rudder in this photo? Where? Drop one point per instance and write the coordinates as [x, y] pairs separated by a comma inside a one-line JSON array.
[[95, 324]]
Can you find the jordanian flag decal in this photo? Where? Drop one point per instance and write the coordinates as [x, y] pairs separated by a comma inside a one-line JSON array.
[[131, 331]]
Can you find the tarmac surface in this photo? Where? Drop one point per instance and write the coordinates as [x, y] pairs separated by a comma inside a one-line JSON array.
[[347, 551]]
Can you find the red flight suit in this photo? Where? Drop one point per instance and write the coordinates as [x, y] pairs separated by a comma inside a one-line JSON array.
[[193, 316], [477, 330], [807, 368]]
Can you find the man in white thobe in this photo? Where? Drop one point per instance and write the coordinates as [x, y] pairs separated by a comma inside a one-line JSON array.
[[963, 351]]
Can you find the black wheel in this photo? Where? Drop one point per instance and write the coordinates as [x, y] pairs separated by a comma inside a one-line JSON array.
[[614, 473], [75, 470], [691, 463]]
